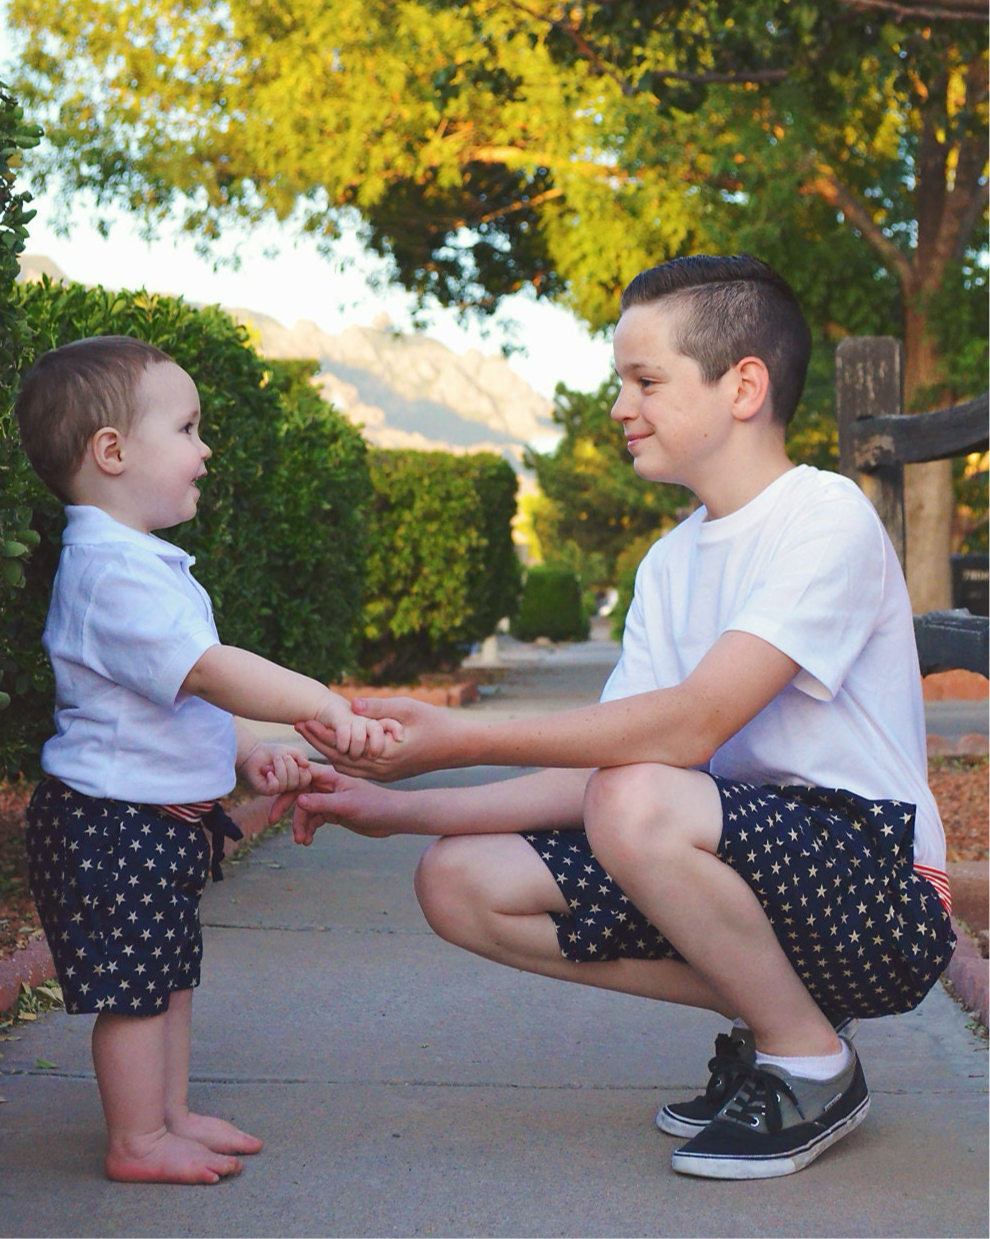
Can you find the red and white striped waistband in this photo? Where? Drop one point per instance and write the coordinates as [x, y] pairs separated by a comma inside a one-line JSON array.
[[940, 881], [194, 812]]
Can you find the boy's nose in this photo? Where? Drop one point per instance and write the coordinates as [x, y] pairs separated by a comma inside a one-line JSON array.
[[618, 411]]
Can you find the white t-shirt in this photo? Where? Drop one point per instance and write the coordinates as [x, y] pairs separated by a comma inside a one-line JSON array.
[[127, 623], [808, 567]]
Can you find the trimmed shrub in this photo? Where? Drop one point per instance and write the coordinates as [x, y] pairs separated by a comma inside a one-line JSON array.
[[442, 570], [279, 535], [551, 607], [21, 669]]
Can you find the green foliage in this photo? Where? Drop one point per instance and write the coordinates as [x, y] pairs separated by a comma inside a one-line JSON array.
[[17, 489], [959, 319], [490, 147], [554, 147], [319, 494], [442, 570], [278, 537], [551, 607]]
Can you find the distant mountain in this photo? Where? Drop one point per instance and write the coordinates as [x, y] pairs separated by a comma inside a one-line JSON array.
[[405, 391]]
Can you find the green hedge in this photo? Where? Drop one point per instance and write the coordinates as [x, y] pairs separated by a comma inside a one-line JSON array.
[[20, 669], [279, 537], [551, 607], [442, 570]]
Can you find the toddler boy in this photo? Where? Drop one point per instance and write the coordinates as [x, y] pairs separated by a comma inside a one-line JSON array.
[[146, 740]]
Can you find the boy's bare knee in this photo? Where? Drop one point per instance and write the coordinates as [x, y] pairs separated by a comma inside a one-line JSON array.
[[442, 884], [620, 789], [649, 811]]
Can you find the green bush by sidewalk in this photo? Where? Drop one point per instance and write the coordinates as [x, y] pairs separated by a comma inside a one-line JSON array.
[[20, 669], [442, 570], [280, 534], [551, 607]]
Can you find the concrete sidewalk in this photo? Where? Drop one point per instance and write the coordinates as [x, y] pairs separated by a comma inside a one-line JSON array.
[[406, 1088]]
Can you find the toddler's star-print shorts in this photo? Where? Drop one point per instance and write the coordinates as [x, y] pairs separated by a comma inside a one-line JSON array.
[[117, 888]]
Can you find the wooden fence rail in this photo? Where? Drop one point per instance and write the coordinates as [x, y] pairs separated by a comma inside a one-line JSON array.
[[876, 440]]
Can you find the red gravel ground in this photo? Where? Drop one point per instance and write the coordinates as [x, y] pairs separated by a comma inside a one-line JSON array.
[[959, 785]]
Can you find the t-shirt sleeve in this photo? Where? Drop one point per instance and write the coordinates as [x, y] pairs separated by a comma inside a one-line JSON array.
[[821, 594], [143, 630]]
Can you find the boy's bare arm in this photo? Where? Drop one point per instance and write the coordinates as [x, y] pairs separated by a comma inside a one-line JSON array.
[[548, 799], [679, 726]]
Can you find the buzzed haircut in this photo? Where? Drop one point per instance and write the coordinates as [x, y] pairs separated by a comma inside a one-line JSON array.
[[73, 391], [729, 308]]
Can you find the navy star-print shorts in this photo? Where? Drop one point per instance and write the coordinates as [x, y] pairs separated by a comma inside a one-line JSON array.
[[117, 888], [834, 873]]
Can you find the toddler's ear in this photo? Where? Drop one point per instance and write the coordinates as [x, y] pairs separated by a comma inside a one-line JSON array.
[[107, 447]]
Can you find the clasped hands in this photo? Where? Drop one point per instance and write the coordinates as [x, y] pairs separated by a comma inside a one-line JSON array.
[[403, 737]]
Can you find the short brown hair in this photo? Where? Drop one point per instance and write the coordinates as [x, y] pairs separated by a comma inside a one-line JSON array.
[[72, 392], [732, 306]]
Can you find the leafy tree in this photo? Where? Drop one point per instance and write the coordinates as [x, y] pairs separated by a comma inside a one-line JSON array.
[[491, 145]]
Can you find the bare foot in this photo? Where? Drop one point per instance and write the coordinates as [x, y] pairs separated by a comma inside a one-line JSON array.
[[167, 1158], [216, 1134]]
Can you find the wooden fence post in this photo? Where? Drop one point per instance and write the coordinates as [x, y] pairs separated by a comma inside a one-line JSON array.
[[869, 382]]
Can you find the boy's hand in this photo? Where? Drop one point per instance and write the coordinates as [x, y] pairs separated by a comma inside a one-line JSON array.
[[431, 739], [333, 797], [272, 769]]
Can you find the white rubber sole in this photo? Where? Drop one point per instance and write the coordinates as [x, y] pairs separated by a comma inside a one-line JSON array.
[[710, 1167], [671, 1126]]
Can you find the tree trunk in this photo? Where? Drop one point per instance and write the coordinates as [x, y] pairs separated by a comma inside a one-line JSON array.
[[929, 505]]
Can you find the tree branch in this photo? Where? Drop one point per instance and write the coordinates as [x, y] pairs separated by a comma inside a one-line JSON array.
[[828, 187], [932, 10]]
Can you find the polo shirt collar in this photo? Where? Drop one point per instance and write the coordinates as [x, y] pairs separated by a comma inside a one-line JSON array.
[[86, 525]]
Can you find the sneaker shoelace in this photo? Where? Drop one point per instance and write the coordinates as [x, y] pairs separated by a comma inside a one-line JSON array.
[[726, 1067], [756, 1101]]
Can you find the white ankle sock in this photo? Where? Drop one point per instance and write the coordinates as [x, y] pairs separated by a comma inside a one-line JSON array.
[[823, 1067]]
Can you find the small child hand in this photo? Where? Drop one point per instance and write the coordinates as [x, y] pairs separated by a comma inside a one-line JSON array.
[[356, 735], [272, 769], [359, 737]]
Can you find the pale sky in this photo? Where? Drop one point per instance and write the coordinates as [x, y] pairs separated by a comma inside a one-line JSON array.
[[298, 284]]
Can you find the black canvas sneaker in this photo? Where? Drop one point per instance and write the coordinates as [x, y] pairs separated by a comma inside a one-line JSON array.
[[734, 1051], [775, 1123]]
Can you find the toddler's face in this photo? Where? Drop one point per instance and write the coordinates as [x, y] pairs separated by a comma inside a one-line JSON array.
[[163, 453]]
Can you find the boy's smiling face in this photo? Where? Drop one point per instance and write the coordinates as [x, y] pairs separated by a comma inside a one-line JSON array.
[[163, 454], [676, 425]]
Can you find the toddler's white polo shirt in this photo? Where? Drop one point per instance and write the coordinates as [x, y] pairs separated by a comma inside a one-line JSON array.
[[127, 623]]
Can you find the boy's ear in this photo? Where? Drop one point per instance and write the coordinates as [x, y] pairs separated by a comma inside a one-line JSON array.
[[107, 447], [752, 392]]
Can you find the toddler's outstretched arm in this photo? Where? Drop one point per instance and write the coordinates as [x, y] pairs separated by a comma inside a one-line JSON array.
[[251, 687]]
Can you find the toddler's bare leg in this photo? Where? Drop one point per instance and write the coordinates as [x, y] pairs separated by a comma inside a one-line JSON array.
[[490, 894], [129, 1057], [656, 830], [217, 1134]]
